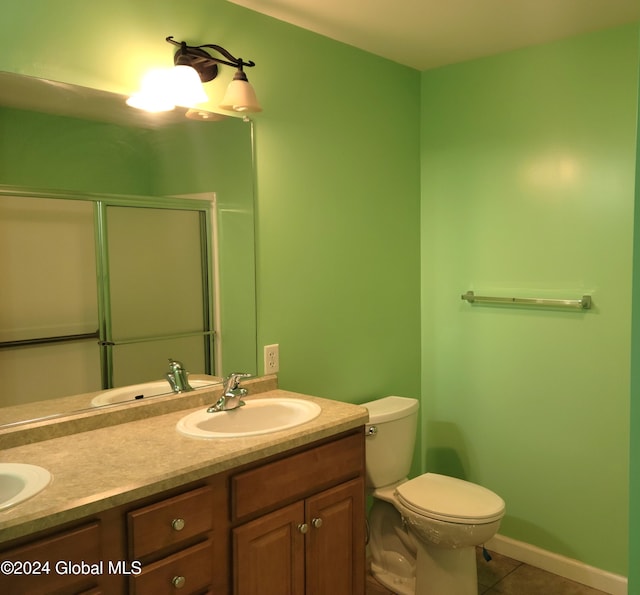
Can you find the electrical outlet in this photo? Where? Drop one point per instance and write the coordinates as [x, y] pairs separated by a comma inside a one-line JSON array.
[[271, 359]]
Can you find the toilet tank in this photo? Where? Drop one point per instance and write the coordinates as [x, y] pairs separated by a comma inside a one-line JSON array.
[[389, 448]]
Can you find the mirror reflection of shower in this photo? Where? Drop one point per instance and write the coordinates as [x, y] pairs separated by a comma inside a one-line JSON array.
[[141, 276]]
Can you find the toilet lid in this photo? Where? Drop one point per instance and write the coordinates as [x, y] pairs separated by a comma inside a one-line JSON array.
[[450, 499]]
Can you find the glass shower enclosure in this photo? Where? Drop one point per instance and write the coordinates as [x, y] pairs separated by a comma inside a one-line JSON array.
[[100, 291]]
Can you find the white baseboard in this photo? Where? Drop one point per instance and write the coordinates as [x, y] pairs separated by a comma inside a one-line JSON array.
[[614, 584]]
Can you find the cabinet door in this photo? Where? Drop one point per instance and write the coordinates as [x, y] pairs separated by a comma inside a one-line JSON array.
[[335, 556], [268, 554]]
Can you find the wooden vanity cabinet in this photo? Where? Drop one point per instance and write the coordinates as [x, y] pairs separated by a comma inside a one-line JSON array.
[[315, 547], [307, 536], [291, 524], [335, 559], [269, 554], [189, 571], [53, 564], [174, 541]]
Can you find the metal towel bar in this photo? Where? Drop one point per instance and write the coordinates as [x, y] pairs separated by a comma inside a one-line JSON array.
[[583, 303], [96, 335], [157, 338], [45, 340]]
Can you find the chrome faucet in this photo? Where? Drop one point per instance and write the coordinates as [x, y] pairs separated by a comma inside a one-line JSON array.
[[177, 377], [232, 394]]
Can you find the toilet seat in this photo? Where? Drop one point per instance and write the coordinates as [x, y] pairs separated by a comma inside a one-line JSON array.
[[449, 499]]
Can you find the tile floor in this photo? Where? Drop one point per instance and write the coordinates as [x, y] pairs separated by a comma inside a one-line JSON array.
[[504, 576]]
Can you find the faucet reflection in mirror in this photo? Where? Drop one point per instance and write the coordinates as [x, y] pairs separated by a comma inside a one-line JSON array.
[[163, 89], [177, 377]]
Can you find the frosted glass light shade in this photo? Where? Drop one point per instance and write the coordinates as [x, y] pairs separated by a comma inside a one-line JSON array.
[[240, 97], [153, 95], [186, 87], [164, 88]]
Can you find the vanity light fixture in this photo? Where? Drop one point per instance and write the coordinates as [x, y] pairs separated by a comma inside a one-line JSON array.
[[162, 90]]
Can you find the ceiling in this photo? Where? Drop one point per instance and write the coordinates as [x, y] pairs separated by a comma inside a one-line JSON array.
[[425, 34]]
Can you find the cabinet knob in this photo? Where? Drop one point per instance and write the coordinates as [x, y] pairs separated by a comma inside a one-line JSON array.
[[178, 581], [303, 527], [317, 522], [177, 524]]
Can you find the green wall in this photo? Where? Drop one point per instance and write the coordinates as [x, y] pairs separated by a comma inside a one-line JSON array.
[[528, 190], [338, 224], [59, 153]]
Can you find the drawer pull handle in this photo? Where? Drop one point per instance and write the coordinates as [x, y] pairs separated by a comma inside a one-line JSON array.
[[317, 522], [177, 524], [303, 527], [178, 581]]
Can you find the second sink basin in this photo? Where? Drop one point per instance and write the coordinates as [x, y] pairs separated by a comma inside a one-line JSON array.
[[19, 482], [258, 416]]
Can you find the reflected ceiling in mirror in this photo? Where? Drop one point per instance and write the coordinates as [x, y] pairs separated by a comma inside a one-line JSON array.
[[52, 97]]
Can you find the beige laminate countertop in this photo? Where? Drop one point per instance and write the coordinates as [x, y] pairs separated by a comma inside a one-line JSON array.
[[106, 467]]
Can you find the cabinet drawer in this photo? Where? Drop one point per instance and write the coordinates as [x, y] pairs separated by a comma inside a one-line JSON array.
[[170, 522], [188, 571], [61, 553], [296, 476]]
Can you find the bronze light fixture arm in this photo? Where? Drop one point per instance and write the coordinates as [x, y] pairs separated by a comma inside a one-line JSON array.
[[205, 64]]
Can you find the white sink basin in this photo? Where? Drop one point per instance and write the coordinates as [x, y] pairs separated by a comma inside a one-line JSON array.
[[19, 482], [135, 392], [258, 416]]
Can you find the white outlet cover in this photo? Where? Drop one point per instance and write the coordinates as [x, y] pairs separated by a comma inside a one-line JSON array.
[[271, 359]]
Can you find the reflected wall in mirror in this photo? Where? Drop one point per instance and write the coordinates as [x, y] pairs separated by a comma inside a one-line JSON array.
[[60, 139]]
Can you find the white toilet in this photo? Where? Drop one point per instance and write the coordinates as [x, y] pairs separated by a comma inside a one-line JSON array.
[[423, 531]]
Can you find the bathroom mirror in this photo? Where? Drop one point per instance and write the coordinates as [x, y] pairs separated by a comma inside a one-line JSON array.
[[61, 141]]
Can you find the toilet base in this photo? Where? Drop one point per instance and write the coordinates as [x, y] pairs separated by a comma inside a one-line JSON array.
[[446, 571], [399, 585], [393, 552]]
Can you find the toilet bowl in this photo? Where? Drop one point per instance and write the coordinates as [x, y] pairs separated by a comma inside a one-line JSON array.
[[423, 531]]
